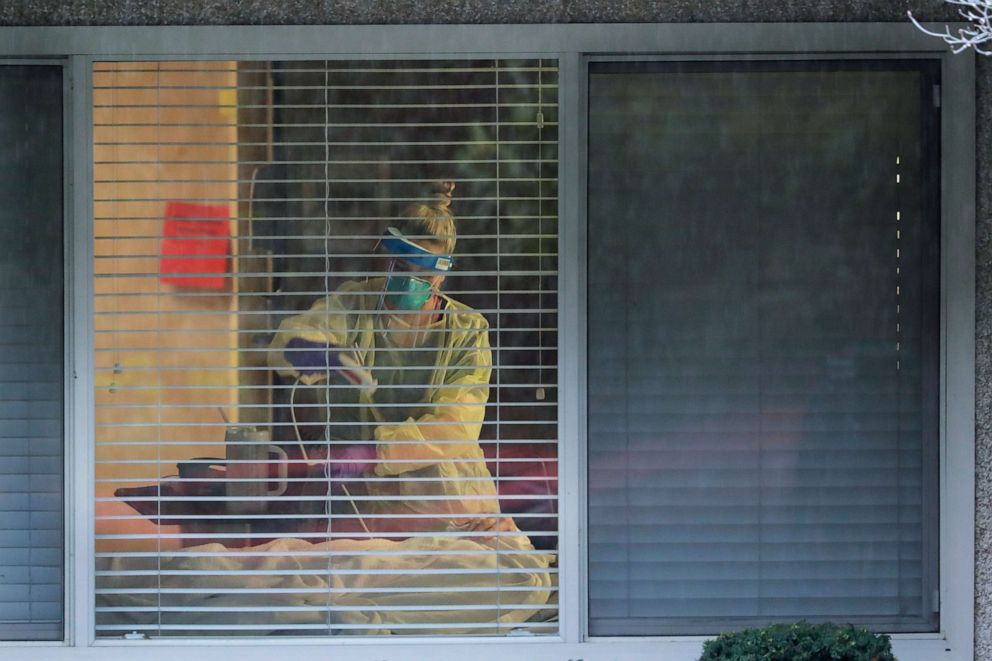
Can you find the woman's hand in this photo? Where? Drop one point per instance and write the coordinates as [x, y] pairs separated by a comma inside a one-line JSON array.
[[309, 358], [351, 460], [485, 524]]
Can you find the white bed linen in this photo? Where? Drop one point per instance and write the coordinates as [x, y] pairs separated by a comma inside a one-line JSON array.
[[377, 587]]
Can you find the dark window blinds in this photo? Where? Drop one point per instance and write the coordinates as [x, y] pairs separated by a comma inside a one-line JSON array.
[[31, 353], [763, 337]]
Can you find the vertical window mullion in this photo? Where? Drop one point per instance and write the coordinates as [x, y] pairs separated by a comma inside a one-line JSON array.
[[572, 345], [80, 431]]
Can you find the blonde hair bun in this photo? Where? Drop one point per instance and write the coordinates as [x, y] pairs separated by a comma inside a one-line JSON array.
[[441, 192], [433, 220]]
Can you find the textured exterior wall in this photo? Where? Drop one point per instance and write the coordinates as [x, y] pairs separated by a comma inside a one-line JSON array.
[[983, 365], [293, 12], [296, 12]]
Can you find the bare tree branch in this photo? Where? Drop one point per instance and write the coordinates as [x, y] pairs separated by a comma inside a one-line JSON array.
[[977, 12]]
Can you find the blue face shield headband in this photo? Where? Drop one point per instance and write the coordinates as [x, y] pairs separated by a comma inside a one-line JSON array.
[[408, 292], [397, 245]]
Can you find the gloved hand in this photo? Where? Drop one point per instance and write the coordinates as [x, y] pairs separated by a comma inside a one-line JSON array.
[[308, 357], [311, 358], [351, 460]]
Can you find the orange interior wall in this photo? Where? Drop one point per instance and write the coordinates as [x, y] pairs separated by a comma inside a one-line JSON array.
[[165, 357]]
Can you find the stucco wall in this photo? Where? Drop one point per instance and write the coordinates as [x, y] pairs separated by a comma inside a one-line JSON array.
[[214, 12], [293, 12]]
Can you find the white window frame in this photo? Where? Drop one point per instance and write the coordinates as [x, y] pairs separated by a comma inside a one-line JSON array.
[[573, 46]]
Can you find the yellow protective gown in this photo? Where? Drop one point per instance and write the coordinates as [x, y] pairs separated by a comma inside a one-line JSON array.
[[425, 415], [447, 575]]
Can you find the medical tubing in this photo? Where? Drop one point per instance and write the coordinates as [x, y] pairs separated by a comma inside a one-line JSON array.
[[296, 426], [355, 509], [327, 462]]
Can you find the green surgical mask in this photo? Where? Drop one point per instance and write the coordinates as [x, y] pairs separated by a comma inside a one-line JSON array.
[[406, 292]]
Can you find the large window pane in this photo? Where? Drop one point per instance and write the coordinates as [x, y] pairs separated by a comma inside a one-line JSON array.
[[307, 425], [763, 337], [31, 354]]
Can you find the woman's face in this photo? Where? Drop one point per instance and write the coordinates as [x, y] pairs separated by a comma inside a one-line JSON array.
[[410, 286], [430, 276]]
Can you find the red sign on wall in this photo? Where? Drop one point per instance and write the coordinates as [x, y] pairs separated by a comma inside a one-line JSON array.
[[196, 245]]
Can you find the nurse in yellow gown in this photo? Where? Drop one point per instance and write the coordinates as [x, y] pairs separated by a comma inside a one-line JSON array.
[[412, 441], [438, 558]]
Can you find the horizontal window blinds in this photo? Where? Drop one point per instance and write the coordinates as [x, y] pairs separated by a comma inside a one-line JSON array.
[[32, 354], [763, 272], [306, 425]]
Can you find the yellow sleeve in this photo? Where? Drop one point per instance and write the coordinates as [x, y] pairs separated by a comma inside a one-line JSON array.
[[329, 321], [451, 430]]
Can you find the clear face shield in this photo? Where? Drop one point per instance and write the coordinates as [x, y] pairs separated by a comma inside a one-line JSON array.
[[407, 287]]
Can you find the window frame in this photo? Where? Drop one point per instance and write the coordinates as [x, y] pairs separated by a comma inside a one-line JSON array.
[[574, 46]]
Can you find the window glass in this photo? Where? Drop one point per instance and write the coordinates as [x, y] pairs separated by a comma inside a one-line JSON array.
[[326, 367], [31, 354], [763, 346]]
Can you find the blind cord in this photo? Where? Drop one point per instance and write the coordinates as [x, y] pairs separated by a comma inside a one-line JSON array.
[[499, 322], [158, 363], [328, 509]]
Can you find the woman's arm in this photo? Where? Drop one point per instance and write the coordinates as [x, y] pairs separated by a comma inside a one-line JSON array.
[[451, 430], [300, 346]]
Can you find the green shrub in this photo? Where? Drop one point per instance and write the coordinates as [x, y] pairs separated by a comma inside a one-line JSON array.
[[799, 642]]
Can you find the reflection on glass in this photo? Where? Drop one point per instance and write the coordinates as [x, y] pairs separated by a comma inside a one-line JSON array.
[[326, 330], [32, 340], [762, 344]]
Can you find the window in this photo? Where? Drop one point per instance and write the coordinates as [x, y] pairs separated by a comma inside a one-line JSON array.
[[326, 358], [763, 404], [32, 354], [638, 467], [764, 314]]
